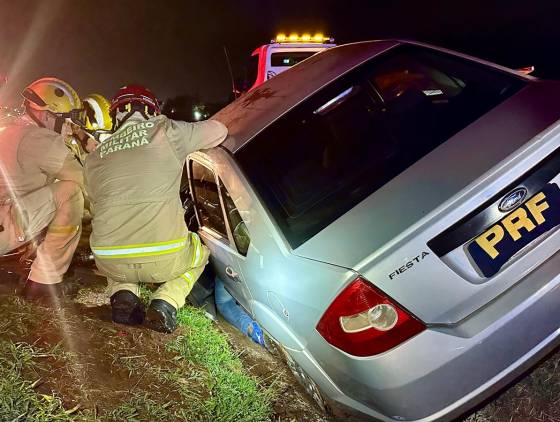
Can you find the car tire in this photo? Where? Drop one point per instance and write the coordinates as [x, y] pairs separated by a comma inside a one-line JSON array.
[[311, 388]]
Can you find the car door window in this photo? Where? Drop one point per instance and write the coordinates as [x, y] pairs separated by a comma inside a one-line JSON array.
[[207, 199], [236, 223]]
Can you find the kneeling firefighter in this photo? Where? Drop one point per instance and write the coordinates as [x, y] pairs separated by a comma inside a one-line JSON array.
[[41, 184], [139, 234]]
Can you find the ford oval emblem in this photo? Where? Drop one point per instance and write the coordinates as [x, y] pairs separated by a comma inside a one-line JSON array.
[[512, 199]]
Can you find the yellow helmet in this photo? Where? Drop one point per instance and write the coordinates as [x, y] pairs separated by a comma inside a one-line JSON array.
[[97, 113], [51, 94]]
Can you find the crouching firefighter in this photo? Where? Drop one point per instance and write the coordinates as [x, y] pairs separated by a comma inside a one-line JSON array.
[[41, 185], [138, 230]]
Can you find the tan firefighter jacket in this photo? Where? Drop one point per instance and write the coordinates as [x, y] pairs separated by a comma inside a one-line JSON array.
[[32, 157], [133, 179]]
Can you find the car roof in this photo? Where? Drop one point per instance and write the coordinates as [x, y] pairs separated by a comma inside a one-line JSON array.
[[257, 109]]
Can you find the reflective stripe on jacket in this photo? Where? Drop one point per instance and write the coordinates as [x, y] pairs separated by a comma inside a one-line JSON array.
[[154, 249], [142, 249]]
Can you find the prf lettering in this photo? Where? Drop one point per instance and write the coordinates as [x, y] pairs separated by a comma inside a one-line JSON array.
[[514, 224]]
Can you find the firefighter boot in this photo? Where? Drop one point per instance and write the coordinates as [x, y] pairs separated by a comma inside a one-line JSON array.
[[127, 308], [161, 316], [48, 294]]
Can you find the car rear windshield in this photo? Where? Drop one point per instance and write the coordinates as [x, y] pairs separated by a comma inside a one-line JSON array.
[[289, 58], [363, 129]]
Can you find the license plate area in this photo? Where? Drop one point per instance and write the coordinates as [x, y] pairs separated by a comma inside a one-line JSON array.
[[495, 246]]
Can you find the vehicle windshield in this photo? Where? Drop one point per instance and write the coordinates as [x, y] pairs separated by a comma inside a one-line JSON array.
[[356, 134], [289, 58]]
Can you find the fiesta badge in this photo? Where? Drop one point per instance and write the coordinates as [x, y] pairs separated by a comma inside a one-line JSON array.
[[512, 199]]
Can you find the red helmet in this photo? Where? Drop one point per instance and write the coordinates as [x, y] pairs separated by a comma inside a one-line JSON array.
[[137, 96]]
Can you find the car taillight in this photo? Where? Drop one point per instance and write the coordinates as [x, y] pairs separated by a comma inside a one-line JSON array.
[[362, 321]]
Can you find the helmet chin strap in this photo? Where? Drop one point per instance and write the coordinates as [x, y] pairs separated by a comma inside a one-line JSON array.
[[31, 113], [58, 123], [49, 120], [54, 122]]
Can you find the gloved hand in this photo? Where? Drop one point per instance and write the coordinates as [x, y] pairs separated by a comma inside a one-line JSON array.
[[88, 142]]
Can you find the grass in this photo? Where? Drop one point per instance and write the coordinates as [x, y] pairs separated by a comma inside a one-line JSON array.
[[234, 395], [140, 408], [135, 365], [20, 321], [206, 378], [225, 391], [145, 294], [18, 399], [535, 398]]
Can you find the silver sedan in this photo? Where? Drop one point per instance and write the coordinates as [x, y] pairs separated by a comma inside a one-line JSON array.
[[388, 211]]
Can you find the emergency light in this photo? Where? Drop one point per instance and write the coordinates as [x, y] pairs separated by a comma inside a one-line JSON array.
[[305, 38]]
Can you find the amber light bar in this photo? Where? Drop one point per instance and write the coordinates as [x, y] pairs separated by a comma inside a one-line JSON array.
[[304, 38]]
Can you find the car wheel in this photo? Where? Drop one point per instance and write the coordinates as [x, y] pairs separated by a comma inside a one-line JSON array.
[[311, 388]]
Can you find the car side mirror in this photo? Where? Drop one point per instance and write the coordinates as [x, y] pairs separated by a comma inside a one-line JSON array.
[[241, 238]]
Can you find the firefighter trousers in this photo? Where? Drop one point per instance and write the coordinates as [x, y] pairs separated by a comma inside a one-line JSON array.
[[58, 208], [176, 275]]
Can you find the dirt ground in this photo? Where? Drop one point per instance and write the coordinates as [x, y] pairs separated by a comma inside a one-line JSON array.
[[534, 397], [100, 364]]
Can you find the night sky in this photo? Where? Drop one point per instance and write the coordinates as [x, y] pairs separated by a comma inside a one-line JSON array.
[[176, 47]]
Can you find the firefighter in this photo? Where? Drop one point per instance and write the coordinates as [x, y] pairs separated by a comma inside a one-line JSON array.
[[138, 230], [98, 120], [41, 185]]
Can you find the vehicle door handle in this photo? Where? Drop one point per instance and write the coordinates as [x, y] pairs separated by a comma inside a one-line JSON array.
[[232, 273]]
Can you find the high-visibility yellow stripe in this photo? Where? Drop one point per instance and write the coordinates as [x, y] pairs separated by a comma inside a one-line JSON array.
[[195, 243], [140, 249], [140, 254], [63, 229], [140, 245], [188, 277]]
